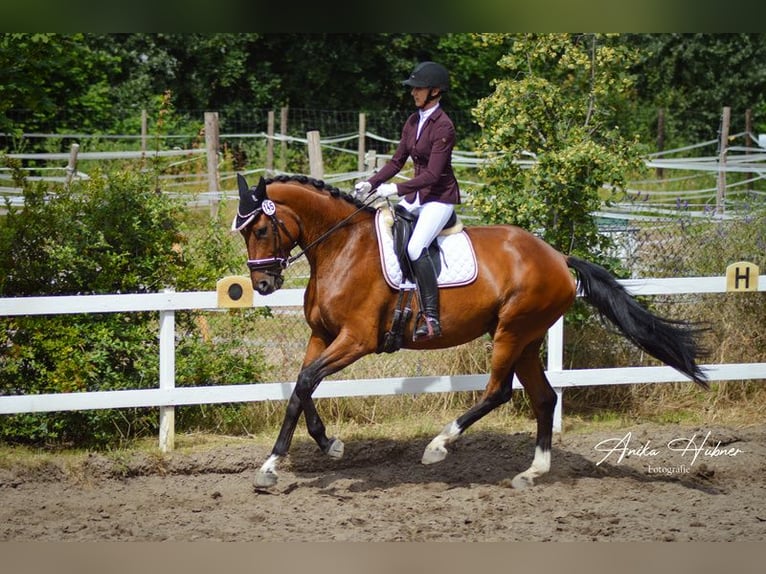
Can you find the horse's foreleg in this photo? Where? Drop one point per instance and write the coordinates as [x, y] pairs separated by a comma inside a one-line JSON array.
[[267, 474], [300, 402], [333, 447], [543, 400], [320, 362], [308, 380]]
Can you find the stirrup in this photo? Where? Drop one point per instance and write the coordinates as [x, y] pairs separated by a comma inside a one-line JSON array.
[[429, 328]]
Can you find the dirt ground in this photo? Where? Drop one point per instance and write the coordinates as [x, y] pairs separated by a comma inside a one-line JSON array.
[[644, 483]]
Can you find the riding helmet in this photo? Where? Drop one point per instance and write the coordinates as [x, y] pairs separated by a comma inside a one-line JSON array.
[[428, 75]]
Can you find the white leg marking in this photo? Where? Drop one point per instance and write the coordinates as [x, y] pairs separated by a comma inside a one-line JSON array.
[[436, 451], [540, 465], [267, 475], [336, 448]]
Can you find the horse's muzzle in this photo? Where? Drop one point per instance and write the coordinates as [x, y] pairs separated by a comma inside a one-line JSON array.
[[267, 282], [270, 274]]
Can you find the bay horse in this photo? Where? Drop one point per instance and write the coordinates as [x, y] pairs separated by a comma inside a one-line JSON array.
[[522, 287]]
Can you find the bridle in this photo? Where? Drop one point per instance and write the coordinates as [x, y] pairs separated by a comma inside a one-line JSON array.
[[276, 264]]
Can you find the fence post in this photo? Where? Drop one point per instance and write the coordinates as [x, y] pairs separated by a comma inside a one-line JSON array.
[[370, 160], [660, 138], [167, 376], [556, 363], [270, 142], [211, 146], [144, 130], [316, 169], [362, 142], [283, 134], [71, 167], [722, 150]]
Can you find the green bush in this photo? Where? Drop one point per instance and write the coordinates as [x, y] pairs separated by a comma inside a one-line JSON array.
[[109, 234]]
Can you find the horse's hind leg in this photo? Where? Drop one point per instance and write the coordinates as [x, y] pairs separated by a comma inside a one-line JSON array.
[[529, 369], [497, 392]]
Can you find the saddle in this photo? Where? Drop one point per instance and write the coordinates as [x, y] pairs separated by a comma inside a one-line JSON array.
[[452, 250], [455, 265]]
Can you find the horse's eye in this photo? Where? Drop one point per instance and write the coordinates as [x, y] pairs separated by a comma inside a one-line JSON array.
[[261, 232]]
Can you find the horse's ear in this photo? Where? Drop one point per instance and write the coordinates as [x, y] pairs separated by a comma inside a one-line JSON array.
[[260, 191], [242, 185], [250, 201], [249, 195]]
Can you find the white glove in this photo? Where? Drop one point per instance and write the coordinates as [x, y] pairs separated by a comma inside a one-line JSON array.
[[386, 189], [362, 188]]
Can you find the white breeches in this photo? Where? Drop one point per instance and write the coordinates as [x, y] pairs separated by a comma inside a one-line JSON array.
[[432, 217]]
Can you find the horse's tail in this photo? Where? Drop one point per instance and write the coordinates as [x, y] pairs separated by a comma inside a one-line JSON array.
[[671, 341]]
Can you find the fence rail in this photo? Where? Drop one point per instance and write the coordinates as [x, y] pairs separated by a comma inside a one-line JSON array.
[[167, 396], [642, 198]]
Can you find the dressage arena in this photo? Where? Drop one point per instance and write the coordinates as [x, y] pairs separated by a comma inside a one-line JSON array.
[[659, 483]]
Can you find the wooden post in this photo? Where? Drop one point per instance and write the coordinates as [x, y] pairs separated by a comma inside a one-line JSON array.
[[283, 133], [270, 142], [316, 169], [362, 141], [748, 129], [144, 130], [211, 146], [660, 138], [167, 376], [556, 363], [723, 146], [71, 168], [370, 160]]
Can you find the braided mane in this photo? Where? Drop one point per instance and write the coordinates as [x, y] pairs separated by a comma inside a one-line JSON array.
[[320, 184]]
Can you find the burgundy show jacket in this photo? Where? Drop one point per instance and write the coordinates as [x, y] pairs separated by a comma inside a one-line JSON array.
[[431, 155]]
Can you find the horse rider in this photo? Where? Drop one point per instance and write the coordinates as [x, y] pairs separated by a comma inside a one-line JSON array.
[[428, 137]]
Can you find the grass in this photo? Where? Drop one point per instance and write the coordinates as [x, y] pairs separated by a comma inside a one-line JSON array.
[[736, 404]]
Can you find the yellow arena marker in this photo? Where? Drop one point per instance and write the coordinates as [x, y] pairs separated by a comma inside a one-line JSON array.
[[235, 291], [742, 276]]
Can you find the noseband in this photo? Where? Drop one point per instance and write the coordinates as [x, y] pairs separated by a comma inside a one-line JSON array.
[[276, 264]]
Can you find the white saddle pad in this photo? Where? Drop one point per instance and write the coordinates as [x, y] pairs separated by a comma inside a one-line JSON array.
[[458, 259]]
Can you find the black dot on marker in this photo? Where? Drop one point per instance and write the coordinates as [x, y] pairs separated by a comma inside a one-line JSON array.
[[235, 292]]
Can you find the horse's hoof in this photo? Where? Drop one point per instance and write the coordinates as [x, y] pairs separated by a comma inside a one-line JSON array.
[[265, 479], [335, 450], [520, 482], [433, 454]]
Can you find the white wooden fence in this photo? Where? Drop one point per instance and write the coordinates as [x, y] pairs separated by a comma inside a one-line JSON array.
[[167, 396]]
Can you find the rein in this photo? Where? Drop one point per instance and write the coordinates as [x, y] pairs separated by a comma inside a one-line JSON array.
[[327, 233]]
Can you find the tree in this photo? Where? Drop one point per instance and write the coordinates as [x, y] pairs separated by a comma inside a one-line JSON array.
[[57, 79], [693, 76], [549, 136]]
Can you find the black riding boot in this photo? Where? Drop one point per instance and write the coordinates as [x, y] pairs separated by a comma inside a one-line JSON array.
[[425, 279]]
